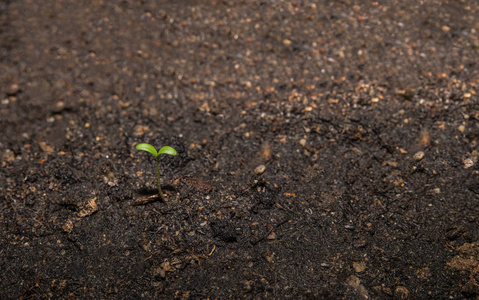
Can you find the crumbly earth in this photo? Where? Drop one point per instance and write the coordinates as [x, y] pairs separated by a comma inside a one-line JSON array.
[[327, 149]]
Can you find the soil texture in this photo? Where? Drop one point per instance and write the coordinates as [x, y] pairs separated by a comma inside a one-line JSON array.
[[326, 149]]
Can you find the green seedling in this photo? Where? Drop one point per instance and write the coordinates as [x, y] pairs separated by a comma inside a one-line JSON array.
[[164, 150]]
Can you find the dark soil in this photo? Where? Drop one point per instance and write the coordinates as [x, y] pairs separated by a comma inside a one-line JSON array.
[[327, 150]]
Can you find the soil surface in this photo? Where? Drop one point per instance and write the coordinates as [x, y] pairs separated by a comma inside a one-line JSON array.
[[326, 150]]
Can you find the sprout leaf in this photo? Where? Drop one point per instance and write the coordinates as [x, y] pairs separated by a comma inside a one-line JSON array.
[[164, 150], [167, 150], [148, 148]]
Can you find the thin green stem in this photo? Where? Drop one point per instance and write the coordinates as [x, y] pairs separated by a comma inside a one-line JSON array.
[[158, 178]]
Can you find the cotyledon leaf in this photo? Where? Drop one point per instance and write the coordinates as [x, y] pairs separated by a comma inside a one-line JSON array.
[[167, 150], [148, 148]]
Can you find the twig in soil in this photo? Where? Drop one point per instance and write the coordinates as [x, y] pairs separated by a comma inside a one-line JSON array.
[[269, 232], [213, 250], [142, 200], [197, 257], [151, 256], [145, 200]]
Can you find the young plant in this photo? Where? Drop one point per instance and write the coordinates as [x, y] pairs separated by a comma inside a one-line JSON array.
[[164, 150]]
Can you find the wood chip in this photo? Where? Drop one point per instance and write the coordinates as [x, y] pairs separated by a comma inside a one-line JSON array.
[[68, 226], [145, 200], [89, 208]]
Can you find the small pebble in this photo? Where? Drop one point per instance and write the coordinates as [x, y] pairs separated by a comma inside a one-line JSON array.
[[468, 162], [271, 236], [359, 266], [14, 88], [302, 142], [461, 128], [349, 226], [325, 265], [259, 169], [418, 156]]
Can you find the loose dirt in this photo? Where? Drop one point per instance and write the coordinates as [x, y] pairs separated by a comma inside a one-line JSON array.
[[326, 149]]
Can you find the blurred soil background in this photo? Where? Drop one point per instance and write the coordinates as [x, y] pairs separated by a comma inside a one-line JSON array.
[[327, 149]]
